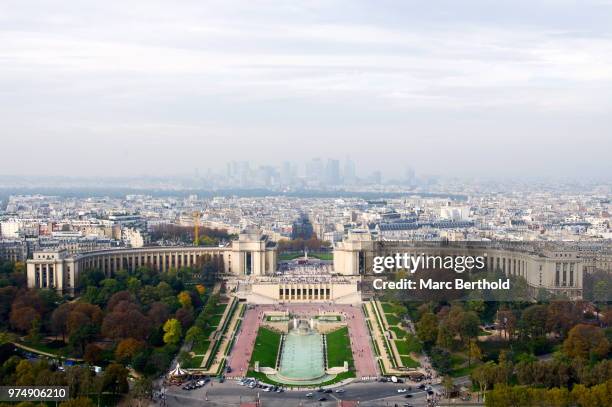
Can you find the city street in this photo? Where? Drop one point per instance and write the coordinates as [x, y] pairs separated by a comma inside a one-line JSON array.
[[232, 394]]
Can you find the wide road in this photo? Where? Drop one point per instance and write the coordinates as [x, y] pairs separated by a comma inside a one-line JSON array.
[[231, 394]]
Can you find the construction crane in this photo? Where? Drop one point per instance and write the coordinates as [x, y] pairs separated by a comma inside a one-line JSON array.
[[196, 228]]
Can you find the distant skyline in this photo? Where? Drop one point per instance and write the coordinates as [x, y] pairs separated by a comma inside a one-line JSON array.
[[508, 89]]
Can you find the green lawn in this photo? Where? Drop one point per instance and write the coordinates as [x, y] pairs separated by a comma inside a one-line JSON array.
[[215, 320], [328, 317], [290, 256], [399, 332], [393, 308], [392, 319], [387, 307], [339, 348], [463, 371], [459, 365], [55, 347], [266, 347], [316, 255], [194, 362], [457, 360], [200, 347], [407, 345], [407, 361], [219, 309], [322, 255], [208, 331]]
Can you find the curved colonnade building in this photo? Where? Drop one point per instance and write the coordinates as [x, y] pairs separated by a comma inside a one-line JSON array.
[[250, 254], [250, 266]]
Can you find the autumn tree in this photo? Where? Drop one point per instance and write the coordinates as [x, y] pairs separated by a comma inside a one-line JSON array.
[[586, 340], [474, 353], [158, 313], [22, 318], [172, 331], [185, 317], [562, 316], [184, 299], [126, 321], [92, 354], [128, 348]]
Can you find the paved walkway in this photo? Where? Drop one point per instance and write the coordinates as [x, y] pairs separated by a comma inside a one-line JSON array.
[[40, 352], [363, 355], [241, 354]]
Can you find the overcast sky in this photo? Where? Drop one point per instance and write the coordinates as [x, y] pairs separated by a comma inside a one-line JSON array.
[[448, 87]]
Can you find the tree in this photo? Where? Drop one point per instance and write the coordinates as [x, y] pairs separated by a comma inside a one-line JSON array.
[[586, 340], [602, 292], [469, 326], [478, 306], [172, 331], [118, 298], [185, 299], [504, 368], [447, 383], [133, 285], [114, 379], [92, 354], [126, 321], [142, 389], [427, 328], [483, 375], [507, 320], [24, 374], [474, 352], [69, 317], [445, 337], [34, 332], [164, 290], [562, 316], [185, 317], [533, 321], [59, 319], [158, 313], [440, 360], [23, 317], [194, 333], [128, 348], [7, 296], [81, 337]]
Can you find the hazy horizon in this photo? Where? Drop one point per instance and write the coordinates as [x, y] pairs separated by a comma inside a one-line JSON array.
[[510, 89]]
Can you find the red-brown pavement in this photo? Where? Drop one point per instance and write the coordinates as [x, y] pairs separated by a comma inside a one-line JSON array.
[[365, 363]]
